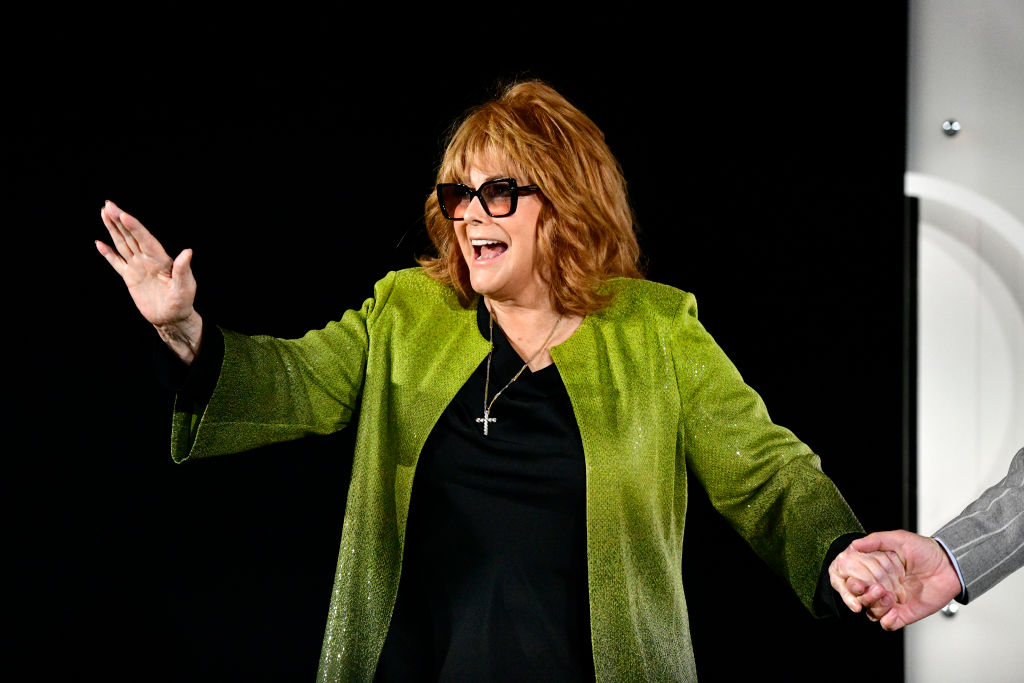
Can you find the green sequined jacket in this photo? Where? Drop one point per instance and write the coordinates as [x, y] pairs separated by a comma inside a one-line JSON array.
[[656, 401]]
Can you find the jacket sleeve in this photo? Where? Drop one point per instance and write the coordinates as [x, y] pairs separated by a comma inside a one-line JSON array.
[[987, 538], [271, 390], [758, 475]]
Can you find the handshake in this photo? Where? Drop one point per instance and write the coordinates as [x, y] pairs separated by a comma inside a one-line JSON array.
[[896, 577]]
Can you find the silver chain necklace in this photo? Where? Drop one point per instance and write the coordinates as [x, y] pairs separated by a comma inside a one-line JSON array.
[[487, 419]]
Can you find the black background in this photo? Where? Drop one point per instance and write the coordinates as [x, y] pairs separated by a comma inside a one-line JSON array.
[[764, 152]]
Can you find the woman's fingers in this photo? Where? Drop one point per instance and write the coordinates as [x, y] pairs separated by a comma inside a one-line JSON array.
[[843, 568], [848, 596], [116, 234], [113, 258], [883, 569], [119, 218], [142, 239], [133, 241], [858, 587], [868, 581], [181, 272], [878, 601]]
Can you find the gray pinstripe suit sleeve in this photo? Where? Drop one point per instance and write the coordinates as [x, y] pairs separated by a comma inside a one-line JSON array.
[[987, 538]]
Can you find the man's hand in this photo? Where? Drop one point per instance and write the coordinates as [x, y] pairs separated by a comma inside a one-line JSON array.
[[907, 578]]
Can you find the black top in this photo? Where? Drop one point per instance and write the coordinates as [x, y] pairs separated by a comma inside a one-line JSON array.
[[494, 577]]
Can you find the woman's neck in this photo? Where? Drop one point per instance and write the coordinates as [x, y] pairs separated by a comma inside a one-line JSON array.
[[529, 328]]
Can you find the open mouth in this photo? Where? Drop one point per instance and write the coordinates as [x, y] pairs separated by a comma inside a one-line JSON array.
[[485, 250]]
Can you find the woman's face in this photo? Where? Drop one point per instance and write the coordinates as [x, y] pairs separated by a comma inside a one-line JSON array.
[[501, 252]]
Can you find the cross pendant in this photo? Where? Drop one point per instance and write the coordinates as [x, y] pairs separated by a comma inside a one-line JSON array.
[[485, 419]]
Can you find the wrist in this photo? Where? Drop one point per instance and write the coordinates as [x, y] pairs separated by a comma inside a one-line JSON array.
[[951, 574], [183, 336]]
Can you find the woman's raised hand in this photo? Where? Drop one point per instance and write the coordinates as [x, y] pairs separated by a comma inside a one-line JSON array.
[[162, 289]]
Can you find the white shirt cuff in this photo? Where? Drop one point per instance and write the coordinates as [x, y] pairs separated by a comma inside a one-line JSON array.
[[956, 566]]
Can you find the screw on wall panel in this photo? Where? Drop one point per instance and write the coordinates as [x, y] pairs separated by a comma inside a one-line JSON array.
[[950, 126]]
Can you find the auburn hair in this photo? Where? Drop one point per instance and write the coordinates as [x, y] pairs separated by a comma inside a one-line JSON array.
[[585, 226]]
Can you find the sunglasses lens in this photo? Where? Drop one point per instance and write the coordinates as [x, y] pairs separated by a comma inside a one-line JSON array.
[[455, 199], [498, 197]]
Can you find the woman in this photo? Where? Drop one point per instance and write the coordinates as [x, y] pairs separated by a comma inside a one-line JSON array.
[[529, 411]]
